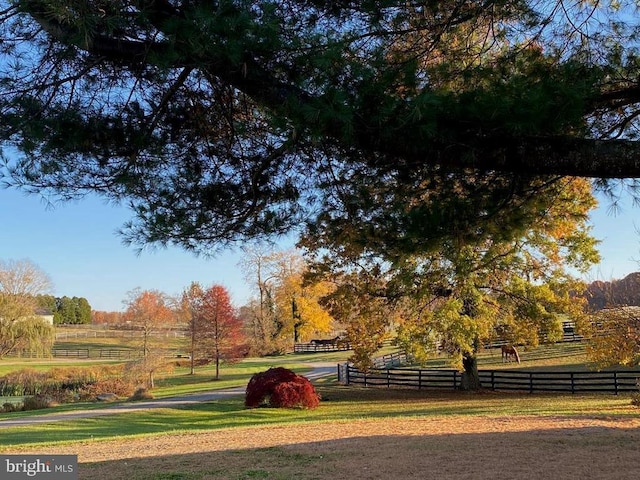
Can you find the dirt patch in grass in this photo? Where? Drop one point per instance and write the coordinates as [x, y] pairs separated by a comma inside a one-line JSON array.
[[453, 447]]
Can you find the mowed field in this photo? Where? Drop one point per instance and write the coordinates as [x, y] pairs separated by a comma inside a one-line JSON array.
[[355, 433]]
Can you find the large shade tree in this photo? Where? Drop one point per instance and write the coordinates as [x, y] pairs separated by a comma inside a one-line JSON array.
[[472, 290], [228, 120], [285, 308]]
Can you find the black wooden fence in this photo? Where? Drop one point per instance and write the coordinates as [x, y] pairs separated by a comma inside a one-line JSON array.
[[97, 353], [317, 348], [533, 381], [389, 360]]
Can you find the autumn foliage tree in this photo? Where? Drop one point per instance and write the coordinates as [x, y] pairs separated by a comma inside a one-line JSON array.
[[148, 312], [613, 336], [99, 317], [612, 330], [358, 302], [216, 331], [486, 282], [297, 304], [286, 307]]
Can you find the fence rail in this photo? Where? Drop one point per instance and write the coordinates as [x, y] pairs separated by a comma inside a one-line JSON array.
[[389, 360], [65, 335], [534, 381], [98, 353], [316, 348]]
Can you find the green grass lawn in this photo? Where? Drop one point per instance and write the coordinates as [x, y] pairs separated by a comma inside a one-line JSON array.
[[338, 403], [181, 381]]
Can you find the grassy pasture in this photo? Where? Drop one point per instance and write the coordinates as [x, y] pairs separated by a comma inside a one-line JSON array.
[[339, 404]]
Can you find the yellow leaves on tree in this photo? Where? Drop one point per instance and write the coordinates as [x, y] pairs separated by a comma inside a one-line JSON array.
[[560, 234], [288, 307], [299, 307], [613, 336]]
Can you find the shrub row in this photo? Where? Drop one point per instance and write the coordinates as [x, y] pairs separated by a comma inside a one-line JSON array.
[[32, 382], [63, 385]]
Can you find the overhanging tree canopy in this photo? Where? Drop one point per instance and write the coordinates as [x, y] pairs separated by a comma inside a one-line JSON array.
[[232, 120]]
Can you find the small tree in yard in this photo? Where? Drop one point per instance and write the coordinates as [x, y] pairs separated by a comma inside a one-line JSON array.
[[216, 328], [190, 304], [148, 312], [145, 369], [282, 388]]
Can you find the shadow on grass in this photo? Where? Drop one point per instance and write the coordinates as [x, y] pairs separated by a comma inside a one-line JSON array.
[[594, 452], [339, 404]]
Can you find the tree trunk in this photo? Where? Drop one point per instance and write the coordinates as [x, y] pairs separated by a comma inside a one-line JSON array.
[[470, 377], [193, 347]]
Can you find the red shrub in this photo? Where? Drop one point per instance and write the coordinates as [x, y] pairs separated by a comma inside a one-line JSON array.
[[297, 393], [281, 388]]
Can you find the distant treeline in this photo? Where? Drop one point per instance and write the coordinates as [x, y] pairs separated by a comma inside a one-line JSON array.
[[625, 291], [65, 310]]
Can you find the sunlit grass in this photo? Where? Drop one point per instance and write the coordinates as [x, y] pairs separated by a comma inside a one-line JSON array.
[[181, 381], [340, 404], [9, 365]]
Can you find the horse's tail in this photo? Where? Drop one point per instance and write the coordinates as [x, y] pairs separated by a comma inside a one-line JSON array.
[[515, 352]]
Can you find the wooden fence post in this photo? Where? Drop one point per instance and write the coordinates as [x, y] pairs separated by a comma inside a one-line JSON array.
[[573, 384]]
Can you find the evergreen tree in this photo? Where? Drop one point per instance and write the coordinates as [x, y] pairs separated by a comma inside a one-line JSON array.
[[67, 311], [225, 121], [83, 310]]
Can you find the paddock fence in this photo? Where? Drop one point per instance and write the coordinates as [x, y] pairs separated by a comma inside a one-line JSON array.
[[97, 353], [63, 334], [319, 348], [389, 360], [612, 382]]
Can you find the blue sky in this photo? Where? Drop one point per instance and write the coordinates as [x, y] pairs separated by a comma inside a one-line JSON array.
[[77, 246]]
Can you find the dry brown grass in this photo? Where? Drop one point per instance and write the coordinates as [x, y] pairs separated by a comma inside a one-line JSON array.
[[454, 447]]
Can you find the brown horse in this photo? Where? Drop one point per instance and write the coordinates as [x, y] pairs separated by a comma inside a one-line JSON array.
[[509, 351]]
